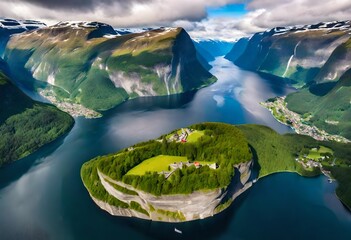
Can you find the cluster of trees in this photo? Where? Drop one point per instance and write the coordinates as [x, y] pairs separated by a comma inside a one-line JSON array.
[[23, 133], [92, 183], [26, 125], [221, 143]]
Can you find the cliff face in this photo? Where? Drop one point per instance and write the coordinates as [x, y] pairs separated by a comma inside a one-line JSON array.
[[237, 50], [317, 59], [174, 208], [88, 64], [304, 54]]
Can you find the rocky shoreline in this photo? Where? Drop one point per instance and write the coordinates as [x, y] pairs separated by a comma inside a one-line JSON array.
[[174, 208]]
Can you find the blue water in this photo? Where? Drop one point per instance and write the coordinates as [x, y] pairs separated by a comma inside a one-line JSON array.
[[42, 196]]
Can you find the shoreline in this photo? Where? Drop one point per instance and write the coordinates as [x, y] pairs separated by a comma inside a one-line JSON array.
[[187, 207], [278, 109]]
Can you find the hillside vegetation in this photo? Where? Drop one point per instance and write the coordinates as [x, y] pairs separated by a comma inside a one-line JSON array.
[[315, 59], [221, 143], [26, 125], [327, 104], [88, 64], [277, 153]]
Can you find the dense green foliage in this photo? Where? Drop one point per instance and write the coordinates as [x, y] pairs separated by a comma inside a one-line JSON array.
[[275, 152], [137, 207], [26, 125], [225, 144], [173, 215], [100, 73], [105, 94], [221, 143], [122, 189], [343, 176], [330, 109], [92, 182]]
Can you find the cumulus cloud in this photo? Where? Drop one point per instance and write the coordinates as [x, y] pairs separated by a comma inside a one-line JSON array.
[[119, 13], [292, 12], [266, 14], [222, 28], [190, 14]]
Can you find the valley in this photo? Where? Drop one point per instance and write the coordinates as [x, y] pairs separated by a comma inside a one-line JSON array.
[[165, 131], [316, 60]]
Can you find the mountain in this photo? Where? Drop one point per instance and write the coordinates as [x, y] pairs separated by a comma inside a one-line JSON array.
[[237, 49], [123, 31], [328, 105], [12, 26], [84, 67], [300, 53], [26, 125], [214, 48], [315, 58]]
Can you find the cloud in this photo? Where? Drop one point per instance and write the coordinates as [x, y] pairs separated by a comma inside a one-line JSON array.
[[190, 14], [119, 13], [266, 14], [223, 28], [293, 12]]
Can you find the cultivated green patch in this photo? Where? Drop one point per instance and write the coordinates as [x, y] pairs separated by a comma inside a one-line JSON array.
[[156, 164]]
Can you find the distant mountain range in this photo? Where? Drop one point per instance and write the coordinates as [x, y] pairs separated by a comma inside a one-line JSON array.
[[88, 66], [210, 49], [315, 58]]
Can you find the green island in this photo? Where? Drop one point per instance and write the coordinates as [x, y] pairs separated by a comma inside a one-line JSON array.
[[180, 176], [191, 173], [26, 125]]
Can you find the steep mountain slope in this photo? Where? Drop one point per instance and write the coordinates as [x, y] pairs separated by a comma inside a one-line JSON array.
[[300, 53], [315, 57], [87, 66], [11, 26], [328, 105], [26, 125], [215, 47], [237, 49]]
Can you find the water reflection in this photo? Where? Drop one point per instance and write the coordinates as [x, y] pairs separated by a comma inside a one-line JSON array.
[[42, 196]]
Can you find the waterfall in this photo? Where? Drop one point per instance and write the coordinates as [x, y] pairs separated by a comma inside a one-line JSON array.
[[291, 57]]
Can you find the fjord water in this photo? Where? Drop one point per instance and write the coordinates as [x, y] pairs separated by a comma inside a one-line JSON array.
[[42, 196]]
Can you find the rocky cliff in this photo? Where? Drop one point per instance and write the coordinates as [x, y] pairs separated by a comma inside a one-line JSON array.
[[315, 58], [88, 64], [304, 54], [174, 208]]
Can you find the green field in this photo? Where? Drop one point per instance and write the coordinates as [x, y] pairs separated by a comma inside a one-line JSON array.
[[194, 136], [316, 153], [155, 164]]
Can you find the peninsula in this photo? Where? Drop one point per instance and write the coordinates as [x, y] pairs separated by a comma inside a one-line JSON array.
[[196, 172], [191, 173]]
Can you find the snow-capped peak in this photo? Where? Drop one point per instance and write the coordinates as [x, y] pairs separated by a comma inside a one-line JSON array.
[[12, 24]]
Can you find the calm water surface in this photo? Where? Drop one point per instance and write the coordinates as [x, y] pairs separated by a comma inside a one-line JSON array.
[[42, 196]]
